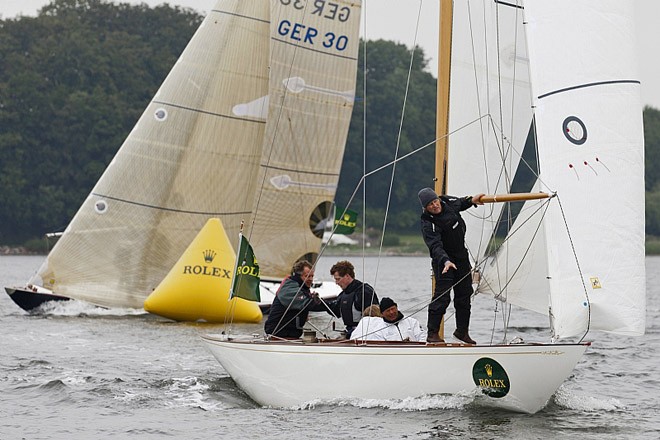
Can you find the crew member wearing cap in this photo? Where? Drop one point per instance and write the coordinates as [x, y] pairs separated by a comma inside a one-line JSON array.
[[443, 230], [399, 327]]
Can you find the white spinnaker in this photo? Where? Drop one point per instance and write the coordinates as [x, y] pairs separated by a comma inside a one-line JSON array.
[[490, 80], [591, 152], [314, 51], [181, 164]]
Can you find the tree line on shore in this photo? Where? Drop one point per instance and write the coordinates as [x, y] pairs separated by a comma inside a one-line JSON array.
[[75, 79]]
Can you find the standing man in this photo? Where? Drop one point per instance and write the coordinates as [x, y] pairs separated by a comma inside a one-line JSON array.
[[293, 302], [443, 230], [354, 297]]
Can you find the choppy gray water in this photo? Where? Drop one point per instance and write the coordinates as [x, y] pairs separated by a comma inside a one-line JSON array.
[[79, 372]]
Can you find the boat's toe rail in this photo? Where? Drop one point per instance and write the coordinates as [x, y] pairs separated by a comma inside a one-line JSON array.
[[262, 340]]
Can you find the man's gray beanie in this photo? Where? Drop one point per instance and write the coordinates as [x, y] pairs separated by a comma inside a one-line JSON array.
[[426, 196]]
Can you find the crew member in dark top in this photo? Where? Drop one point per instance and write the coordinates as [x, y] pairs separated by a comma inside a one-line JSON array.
[[354, 297], [443, 230], [293, 302]]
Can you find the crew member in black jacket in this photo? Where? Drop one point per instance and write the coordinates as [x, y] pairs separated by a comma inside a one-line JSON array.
[[354, 297], [293, 302], [443, 230]]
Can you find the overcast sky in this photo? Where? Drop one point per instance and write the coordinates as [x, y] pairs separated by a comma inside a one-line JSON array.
[[385, 16]]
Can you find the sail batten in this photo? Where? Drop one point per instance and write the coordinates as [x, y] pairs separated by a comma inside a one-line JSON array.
[[594, 84]]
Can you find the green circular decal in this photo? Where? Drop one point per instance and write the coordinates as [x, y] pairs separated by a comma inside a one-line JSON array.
[[490, 376]]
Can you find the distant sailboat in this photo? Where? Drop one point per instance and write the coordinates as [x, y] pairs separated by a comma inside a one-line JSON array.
[[544, 97], [247, 126]]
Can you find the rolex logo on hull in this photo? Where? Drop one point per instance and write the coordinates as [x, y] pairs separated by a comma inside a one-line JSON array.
[[491, 377]]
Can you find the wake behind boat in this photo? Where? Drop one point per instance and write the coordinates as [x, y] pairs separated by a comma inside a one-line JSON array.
[[31, 297]]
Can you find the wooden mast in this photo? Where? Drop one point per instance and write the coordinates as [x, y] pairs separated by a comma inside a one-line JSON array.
[[442, 103], [442, 121], [442, 106]]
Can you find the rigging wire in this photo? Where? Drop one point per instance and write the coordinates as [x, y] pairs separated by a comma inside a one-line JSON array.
[[364, 162], [407, 155], [505, 148], [272, 143], [499, 295], [500, 137], [398, 141], [579, 268], [364, 151], [478, 102], [503, 144], [545, 204], [396, 154]]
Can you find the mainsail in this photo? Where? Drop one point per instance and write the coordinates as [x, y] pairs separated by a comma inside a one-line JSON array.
[[579, 132], [314, 51], [202, 146]]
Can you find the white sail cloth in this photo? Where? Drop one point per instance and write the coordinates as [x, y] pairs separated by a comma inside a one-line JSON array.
[[591, 152], [569, 91]]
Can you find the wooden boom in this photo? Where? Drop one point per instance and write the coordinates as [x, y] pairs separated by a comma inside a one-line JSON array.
[[515, 197]]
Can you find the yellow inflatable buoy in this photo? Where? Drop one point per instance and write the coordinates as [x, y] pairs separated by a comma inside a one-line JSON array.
[[197, 287]]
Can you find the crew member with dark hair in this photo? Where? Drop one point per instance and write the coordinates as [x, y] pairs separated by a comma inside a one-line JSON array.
[[293, 302], [354, 297]]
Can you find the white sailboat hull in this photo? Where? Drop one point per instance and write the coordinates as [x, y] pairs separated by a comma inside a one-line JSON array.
[[290, 374]]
